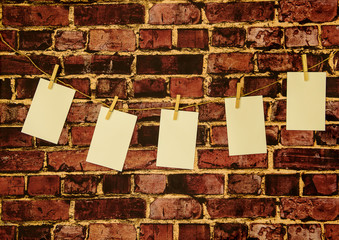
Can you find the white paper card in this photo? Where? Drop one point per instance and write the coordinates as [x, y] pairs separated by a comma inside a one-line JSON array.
[[47, 114], [111, 139], [246, 126], [306, 101], [177, 139]]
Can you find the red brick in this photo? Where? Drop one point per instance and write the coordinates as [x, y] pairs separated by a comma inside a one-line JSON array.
[[328, 137], [268, 37], [222, 87], [202, 135], [70, 40], [150, 88], [80, 184], [5, 89], [320, 184], [228, 37], [194, 231], [150, 183], [10, 37], [309, 208], [272, 134], [166, 13], [81, 84], [12, 186], [83, 112], [267, 231], [110, 87], [219, 158], [148, 135], [51, 185], [21, 161], [244, 184], [298, 158], [141, 160], [169, 64], [175, 208], [62, 232], [193, 38], [35, 210], [12, 137], [245, 12], [82, 135], [34, 232], [254, 83], [13, 113], [116, 184], [241, 207], [332, 87], [149, 115], [230, 231], [304, 231], [274, 186], [121, 208], [187, 87], [212, 112], [332, 111], [331, 231], [156, 231], [218, 136], [330, 36], [35, 15], [15, 64], [301, 36], [112, 231], [8, 232], [155, 39], [111, 40], [63, 140], [98, 64], [230, 62], [295, 137], [26, 87], [301, 11], [35, 40], [278, 112]]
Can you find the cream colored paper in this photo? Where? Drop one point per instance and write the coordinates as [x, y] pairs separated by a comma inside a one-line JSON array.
[[306, 101], [246, 126], [177, 139], [111, 139], [47, 114]]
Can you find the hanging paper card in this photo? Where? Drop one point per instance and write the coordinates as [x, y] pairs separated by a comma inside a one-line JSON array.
[[48, 112], [246, 126], [111, 139], [306, 101], [177, 139]]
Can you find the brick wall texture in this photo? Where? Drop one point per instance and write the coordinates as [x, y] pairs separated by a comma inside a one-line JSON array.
[[147, 52]]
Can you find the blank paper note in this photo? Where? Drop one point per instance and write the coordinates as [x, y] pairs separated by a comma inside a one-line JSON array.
[[177, 139], [306, 101], [47, 114], [111, 139], [246, 126]]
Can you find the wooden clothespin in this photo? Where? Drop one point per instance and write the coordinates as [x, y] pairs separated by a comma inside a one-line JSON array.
[[305, 69], [111, 108], [176, 108], [52, 80], [240, 87]]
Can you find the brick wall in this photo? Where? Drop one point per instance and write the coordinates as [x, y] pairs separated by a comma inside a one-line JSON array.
[[147, 53]]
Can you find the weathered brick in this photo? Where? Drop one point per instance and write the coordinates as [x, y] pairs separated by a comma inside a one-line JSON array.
[[26, 87], [329, 137], [268, 37], [62, 232], [82, 135], [219, 158], [13, 113], [301, 36], [230, 62], [302, 11], [35, 210], [35, 15], [332, 87], [148, 135], [83, 112], [304, 231], [330, 36], [230, 231], [320, 184], [155, 39], [10, 37], [5, 89], [278, 112], [202, 135], [8, 232], [149, 115], [331, 231], [298, 158], [266, 231], [309, 208], [222, 87], [63, 140], [12, 186], [254, 83], [187, 87], [12, 137], [166, 13], [219, 136], [272, 134], [35, 232], [109, 14], [80, 184], [112, 231], [150, 183], [110, 87], [51, 185], [332, 111], [21, 161], [228, 37], [156, 231], [241, 207], [194, 231], [196, 184], [175, 208], [140, 160], [212, 112], [244, 184], [296, 137], [111, 40], [70, 40], [121, 208], [116, 184], [169, 64], [150, 88], [193, 38], [81, 84], [35, 40], [274, 186]]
